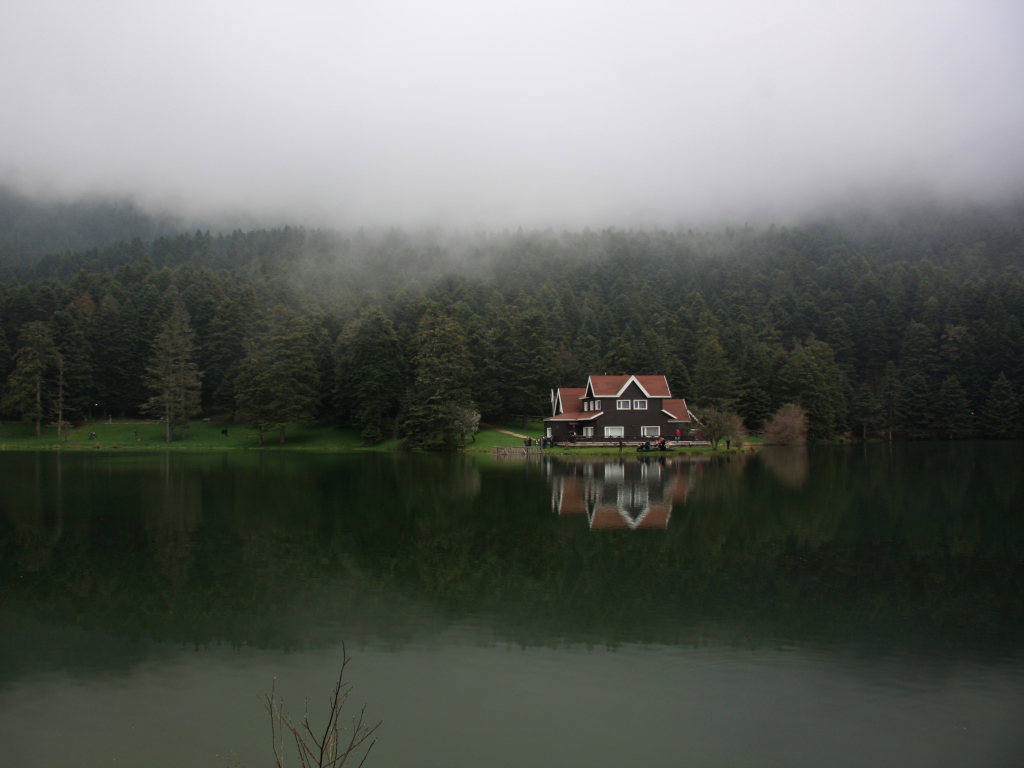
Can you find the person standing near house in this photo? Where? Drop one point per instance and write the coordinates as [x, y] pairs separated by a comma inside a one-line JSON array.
[[679, 435]]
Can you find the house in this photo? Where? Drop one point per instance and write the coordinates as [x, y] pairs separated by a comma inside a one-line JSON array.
[[613, 408]]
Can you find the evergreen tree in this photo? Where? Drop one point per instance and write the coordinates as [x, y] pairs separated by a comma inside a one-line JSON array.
[[173, 375], [619, 359], [117, 342], [1000, 417], [6, 364], [873, 348], [371, 376], [69, 328], [277, 382], [714, 377], [814, 380], [440, 392], [867, 411], [891, 394], [918, 353], [953, 415], [232, 319], [528, 364], [26, 394], [916, 414]]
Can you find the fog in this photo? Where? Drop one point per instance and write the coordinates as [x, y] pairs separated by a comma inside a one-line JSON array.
[[505, 114]]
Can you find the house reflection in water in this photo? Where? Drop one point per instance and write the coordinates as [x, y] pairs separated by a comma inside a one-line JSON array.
[[625, 494]]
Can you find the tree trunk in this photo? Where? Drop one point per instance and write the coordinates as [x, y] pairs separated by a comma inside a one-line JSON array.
[[167, 423], [281, 439]]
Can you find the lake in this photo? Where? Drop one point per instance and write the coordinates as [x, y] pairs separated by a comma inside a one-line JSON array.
[[840, 606]]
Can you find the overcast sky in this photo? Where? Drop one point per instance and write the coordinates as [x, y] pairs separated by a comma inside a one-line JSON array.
[[493, 114]]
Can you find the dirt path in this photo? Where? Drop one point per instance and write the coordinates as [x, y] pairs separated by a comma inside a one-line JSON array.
[[503, 431]]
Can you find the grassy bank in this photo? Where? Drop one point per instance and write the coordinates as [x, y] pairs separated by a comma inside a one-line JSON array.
[[133, 434]]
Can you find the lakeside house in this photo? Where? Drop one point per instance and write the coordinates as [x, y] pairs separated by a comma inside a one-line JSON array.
[[613, 408]]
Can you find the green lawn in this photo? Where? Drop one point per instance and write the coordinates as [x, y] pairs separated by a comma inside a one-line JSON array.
[[132, 434], [146, 435]]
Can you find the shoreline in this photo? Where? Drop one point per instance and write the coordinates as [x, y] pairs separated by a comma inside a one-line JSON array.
[[206, 436]]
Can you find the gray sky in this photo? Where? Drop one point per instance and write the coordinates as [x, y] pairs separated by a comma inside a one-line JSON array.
[[492, 113]]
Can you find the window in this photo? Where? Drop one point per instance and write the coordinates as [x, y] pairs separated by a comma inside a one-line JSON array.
[[588, 431], [586, 406], [640, 405], [622, 405], [614, 431], [650, 431], [597, 405], [549, 432]]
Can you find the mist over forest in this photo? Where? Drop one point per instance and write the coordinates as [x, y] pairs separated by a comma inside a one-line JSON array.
[[906, 323], [402, 217]]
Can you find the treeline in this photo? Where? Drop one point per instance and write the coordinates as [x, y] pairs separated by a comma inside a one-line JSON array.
[[909, 327]]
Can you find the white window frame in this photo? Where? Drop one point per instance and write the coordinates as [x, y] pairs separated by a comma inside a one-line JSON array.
[[549, 432], [586, 406], [623, 405], [614, 431], [588, 431], [650, 431], [639, 405], [597, 405]]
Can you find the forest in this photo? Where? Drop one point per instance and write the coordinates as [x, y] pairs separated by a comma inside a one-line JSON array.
[[903, 324]]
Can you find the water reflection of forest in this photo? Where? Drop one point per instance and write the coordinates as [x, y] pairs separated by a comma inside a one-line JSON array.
[[620, 495], [920, 542]]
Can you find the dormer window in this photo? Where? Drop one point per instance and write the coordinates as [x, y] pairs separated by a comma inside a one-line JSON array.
[[597, 405]]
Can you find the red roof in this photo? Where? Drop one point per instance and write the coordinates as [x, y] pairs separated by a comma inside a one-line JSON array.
[[677, 409], [612, 386], [569, 398]]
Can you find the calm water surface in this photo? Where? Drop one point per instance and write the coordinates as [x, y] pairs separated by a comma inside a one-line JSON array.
[[838, 606]]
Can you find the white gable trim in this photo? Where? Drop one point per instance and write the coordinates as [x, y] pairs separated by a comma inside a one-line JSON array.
[[630, 380]]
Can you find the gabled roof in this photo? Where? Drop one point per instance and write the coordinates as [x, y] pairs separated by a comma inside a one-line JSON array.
[[613, 386], [676, 410], [568, 399], [568, 406]]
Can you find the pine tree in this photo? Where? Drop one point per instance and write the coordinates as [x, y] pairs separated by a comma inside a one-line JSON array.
[[440, 392], [528, 363], [117, 341], [26, 394], [173, 375], [619, 359], [867, 411], [6, 364], [1001, 415], [223, 346], [69, 328], [714, 378], [916, 414], [371, 376], [814, 380], [891, 393], [277, 382], [918, 353], [953, 415]]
